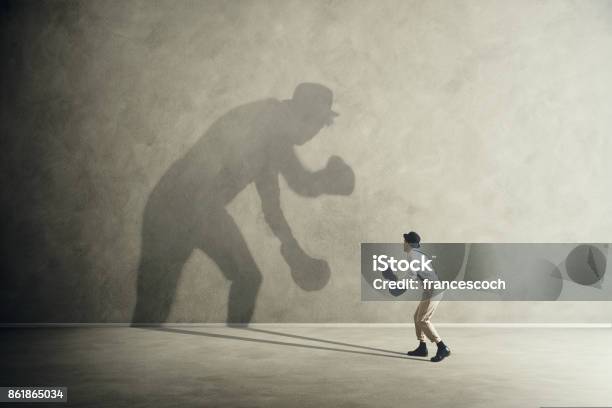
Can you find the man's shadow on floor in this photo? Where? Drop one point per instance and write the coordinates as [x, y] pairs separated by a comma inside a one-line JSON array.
[[377, 352]]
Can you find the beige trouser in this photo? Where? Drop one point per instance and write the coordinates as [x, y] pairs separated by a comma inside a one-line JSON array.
[[422, 318]]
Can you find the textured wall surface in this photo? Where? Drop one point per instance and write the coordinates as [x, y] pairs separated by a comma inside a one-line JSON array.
[[468, 121]]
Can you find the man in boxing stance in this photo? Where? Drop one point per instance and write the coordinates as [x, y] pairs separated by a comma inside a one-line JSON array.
[[428, 304]]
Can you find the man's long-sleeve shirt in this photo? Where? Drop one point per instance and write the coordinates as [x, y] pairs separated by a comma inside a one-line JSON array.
[[417, 254]]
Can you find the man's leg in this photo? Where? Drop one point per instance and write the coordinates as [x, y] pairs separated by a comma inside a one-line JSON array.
[[427, 309], [224, 243], [417, 323], [429, 306], [161, 263], [421, 350]]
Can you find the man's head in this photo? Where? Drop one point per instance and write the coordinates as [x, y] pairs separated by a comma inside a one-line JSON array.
[[312, 103], [411, 240]]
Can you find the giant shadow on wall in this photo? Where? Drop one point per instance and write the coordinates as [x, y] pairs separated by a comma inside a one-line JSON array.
[[252, 143]]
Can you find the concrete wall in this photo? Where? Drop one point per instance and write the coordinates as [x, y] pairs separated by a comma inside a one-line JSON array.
[[468, 121]]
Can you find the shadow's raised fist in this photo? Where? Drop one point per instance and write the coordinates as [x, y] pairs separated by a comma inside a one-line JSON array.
[[338, 177], [308, 273]]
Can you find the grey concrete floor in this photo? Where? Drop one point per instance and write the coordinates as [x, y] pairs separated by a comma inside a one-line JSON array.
[[311, 366]]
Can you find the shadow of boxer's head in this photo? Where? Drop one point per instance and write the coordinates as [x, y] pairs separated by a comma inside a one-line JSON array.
[[311, 104]]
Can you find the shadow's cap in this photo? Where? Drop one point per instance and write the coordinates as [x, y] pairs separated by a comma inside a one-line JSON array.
[[311, 97], [413, 238]]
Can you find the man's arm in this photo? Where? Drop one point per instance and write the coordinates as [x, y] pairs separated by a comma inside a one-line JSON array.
[[269, 193], [335, 178], [309, 273], [301, 180]]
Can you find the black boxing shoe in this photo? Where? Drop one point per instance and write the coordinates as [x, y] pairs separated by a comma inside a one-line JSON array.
[[420, 351], [441, 354]]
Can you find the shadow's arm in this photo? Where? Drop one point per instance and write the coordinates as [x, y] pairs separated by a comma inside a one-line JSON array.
[[301, 180], [335, 178], [269, 192], [309, 273]]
